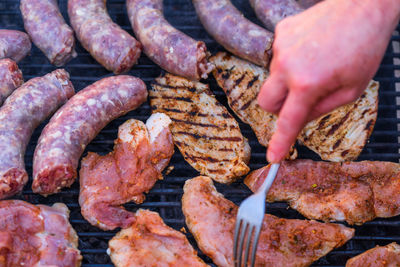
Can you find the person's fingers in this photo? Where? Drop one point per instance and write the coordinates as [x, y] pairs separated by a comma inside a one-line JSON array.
[[272, 94], [291, 121]]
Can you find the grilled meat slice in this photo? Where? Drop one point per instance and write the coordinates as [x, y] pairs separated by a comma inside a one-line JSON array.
[[208, 136], [355, 192], [283, 242], [338, 136], [149, 242], [387, 256]]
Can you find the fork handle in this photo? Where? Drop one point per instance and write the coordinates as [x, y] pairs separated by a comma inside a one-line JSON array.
[[273, 170]]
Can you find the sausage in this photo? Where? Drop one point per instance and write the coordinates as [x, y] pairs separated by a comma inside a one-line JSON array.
[[111, 46], [308, 3], [10, 78], [65, 137], [169, 48], [270, 12], [14, 44], [20, 114], [234, 32], [48, 30]]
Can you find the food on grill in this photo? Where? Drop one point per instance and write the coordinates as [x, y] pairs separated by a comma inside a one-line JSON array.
[[270, 12], [338, 136], [308, 3], [48, 30], [37, 235], [20, 114], [208, 136], [65, 137], [355, 192], [107, 182], [111, 46], [233, 31], [283, 242], [169, 48], [387, 256], [14, 44], [150, 242], [10, 78]]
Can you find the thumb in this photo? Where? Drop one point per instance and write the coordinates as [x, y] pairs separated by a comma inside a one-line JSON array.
[[272, 94]]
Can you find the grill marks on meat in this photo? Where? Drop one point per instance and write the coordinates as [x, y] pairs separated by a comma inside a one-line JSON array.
[[355, 192], [150, 242], [208, 137], [283, 242], [10, 78], [386, 256], [37, 235], [337, 136], [14, 44], [140, 154]]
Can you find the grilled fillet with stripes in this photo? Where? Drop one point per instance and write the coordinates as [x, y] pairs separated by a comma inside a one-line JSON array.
[[208, 136], [386, 256], [337, 136]]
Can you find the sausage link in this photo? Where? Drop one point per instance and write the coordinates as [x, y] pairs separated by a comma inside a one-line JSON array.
[[14, 44], [270, 12], [21, 113], [48, 30], [234, 32], [111, 46], [10, 78], [169, 48], [65, 137]]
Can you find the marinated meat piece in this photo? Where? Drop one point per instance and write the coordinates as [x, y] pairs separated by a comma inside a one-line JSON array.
[[283, 242], [14, 44], [337, 136], [10, 78], [149, 242], [37, 235], [208, 136], [355, 192], [140, 154], [387, 256]]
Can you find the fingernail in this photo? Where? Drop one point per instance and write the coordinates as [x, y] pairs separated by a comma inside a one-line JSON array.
[[271, 157]]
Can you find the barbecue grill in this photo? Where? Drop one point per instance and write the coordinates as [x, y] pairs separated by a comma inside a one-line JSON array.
[[165, 197]]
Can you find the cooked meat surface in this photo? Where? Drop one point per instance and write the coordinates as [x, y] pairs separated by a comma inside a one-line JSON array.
[[283, 242], [150, 242], [338, 136], [140, 154], [387, 256], [37, 235], [355, 192], [208, 136]]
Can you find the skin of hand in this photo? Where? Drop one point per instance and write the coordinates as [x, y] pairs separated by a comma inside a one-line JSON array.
[[323, 58]]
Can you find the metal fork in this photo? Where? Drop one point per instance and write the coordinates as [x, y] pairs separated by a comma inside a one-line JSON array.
[[249, 219]]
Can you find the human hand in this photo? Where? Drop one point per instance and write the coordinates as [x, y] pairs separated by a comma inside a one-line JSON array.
[[323, 58]]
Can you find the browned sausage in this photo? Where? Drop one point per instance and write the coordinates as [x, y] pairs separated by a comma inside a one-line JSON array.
[[234, 32], [48, 30], [65, 137], [169, 48], [14, 44], [20, 114], [10, 78], [111, 46]]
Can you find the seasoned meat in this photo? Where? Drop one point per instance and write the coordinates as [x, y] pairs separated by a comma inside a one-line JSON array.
[[208, 136], [283, 242], [338, 136], [355, 192], [150, 242], [387, 256], [34, 236], [140, 154]]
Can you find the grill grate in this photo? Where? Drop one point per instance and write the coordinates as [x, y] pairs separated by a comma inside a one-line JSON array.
[[166, 195]]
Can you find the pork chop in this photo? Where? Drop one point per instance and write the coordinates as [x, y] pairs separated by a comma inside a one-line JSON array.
[[386, 256]]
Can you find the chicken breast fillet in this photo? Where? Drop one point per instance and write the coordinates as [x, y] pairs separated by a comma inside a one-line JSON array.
[[208, 137], [150, 242], [387, 256], [355, 192], [337, 136], [37, 235], [140, 154], [282, 242]]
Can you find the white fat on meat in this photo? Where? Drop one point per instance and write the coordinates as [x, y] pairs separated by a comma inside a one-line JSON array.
[[156, 124]]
